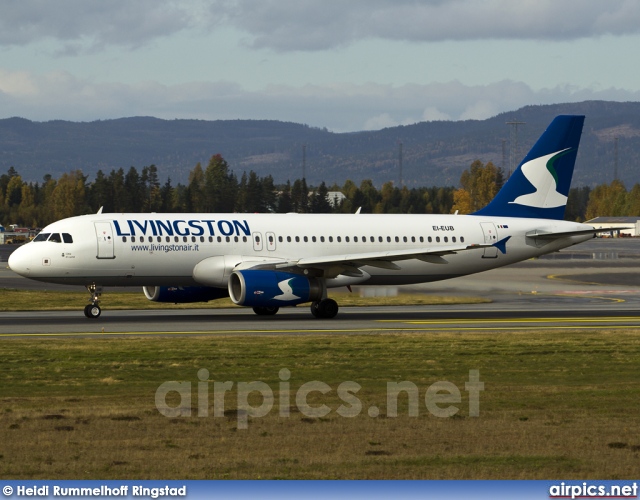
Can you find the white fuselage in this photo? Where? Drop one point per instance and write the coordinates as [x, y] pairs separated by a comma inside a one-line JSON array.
[[163, 249]]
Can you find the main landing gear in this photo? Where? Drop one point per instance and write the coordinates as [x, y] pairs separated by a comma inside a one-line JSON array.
[[265, 311], [325, 308], [92, 311]]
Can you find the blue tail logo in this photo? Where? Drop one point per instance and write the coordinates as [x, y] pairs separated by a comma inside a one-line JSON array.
[[540, 185]]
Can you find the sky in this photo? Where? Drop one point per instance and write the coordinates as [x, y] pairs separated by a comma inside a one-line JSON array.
[[344, 65]]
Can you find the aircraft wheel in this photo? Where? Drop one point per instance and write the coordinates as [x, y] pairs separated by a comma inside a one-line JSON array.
[[265, 311], [92, 311], [315, 309], [327, 308]]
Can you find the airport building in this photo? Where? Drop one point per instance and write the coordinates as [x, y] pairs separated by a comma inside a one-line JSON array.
[[616, 223]]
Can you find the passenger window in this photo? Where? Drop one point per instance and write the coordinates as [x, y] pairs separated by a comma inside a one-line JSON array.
[[244, 239], [338, 239], [421, 239], [159, 239], [124, 239], [404, 238], [388, 239], [322, 239], [184, 239], [288, 239], [446, 240], [297, 239], [397, 239], [373, 239], [346, 238], [280, 239], [437, 239], [461, 239], [355, 239], [313, 238], [453, 238], [176, 239], [66, 237], [167, 239], [55, 237], [413, 239], [380, 239], [229, 239], [150, 239], [210, 239], [42, 237], [430, 239], [201, 239], [236, 239], [306, 239], [219, 239], [330, 239]]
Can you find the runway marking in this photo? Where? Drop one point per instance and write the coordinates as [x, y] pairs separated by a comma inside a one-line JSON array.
[[560, 277], [433, 329], [454, 321], [586, 294]]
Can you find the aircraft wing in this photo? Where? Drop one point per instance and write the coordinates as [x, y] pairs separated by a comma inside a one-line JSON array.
[[350, 264]]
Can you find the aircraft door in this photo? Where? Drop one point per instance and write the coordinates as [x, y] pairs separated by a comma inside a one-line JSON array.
[[490, 237], [257, 242], [104, 235], [271, 241]]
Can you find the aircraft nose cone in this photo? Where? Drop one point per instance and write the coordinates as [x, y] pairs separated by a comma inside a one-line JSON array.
[[18, 262]]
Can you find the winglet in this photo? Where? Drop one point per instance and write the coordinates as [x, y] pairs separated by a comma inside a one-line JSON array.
[[540, 185]]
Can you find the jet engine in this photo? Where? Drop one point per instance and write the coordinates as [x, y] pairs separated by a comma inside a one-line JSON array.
[[183, 294], [262, 288]]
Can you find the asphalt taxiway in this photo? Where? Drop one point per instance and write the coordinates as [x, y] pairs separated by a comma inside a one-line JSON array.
[[594, 285]]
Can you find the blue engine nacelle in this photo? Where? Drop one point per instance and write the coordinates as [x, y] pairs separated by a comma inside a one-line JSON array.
[[183, 294], [258, 288]]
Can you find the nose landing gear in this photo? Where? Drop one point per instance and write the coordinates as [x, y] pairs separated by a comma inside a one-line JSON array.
[[92, 311]]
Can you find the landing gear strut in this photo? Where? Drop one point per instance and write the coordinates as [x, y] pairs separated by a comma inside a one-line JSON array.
[[325, 308], [92, 311]]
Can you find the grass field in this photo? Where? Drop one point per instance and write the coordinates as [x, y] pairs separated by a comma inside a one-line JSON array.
[[555, 404], [41, 300]]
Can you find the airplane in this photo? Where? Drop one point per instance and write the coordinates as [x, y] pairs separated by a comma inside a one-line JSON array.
[[269, 261]]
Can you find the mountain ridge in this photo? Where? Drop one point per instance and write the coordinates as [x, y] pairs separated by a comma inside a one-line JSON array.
[[434, 153]]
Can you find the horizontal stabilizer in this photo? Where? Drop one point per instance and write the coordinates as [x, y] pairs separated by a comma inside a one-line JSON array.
[[550, 235]]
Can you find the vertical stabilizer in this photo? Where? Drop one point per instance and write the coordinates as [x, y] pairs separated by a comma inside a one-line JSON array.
[[540, 185]]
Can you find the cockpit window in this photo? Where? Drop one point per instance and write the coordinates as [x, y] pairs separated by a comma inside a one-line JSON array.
[[55, 237], [66, 237], [42, 237]]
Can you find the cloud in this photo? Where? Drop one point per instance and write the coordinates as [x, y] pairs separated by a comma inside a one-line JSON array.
[[339, 107], [294, 25], [82, 25], [308, 25]]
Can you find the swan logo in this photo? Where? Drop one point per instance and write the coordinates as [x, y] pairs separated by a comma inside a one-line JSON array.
[[287, 291], [541, 173]]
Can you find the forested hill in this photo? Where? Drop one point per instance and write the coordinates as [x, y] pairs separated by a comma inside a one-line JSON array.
[[434, 153]]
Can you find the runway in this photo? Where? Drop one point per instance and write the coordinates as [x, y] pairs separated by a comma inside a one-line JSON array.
[[594, 286]]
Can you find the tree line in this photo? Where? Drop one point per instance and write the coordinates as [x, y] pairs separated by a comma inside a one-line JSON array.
[[213, 188], [216, 188]]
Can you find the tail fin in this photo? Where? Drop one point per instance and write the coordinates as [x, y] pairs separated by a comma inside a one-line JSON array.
[[540, 185]]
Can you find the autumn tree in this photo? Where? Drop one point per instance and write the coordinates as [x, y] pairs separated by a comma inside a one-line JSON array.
[[479, 185]]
